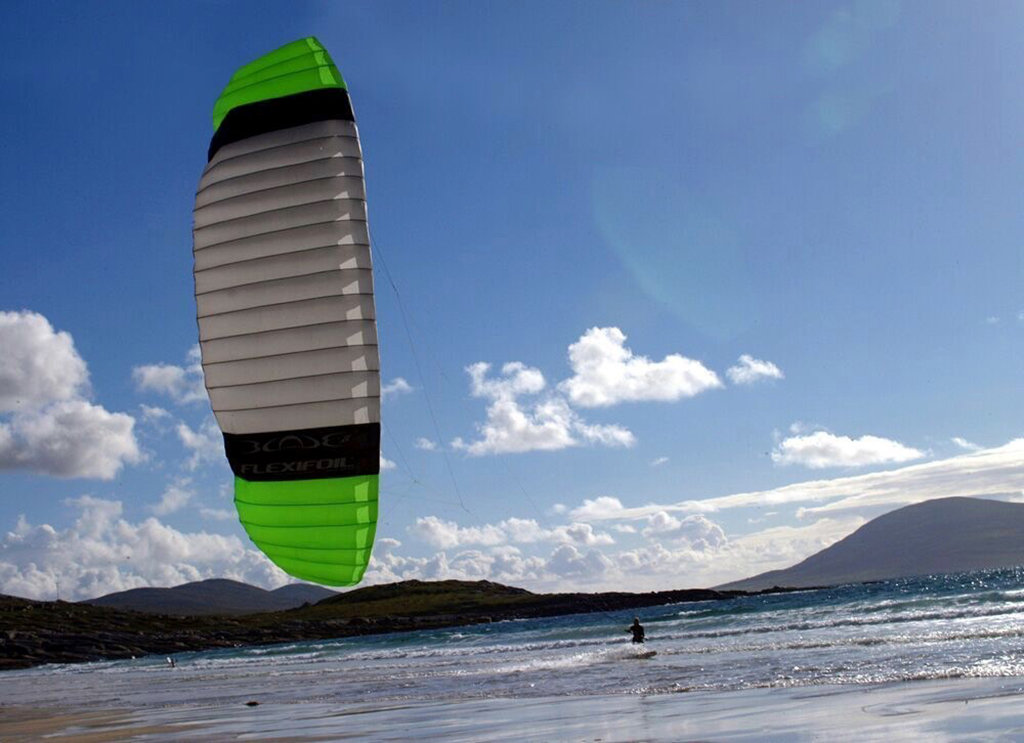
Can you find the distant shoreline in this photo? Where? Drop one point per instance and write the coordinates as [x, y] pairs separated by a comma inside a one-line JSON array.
[[34, 633]]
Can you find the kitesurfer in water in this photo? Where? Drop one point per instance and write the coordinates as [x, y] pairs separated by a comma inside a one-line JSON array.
[[638, 631]]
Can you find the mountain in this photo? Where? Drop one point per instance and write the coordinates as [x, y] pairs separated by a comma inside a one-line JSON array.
[[215, 596], [945, 535]]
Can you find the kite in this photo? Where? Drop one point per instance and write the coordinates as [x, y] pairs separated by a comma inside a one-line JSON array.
[[284, 298]]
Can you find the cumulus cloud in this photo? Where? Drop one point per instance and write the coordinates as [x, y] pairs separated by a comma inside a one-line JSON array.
[[606, 373], [72, 438], [602, 507], [516, 379], [51, 428], [425, 444], [546, 425], [578, 533], [568, 561], [822, 449], [659, 461], [448, 534], [687, 552], [655, 565], [505, 564], [152, 413], [749, 370], [102, 552], [386, 464], [175, 497], [396, 386], [183, 384], [38, 365], [696, 530], [205, 444]]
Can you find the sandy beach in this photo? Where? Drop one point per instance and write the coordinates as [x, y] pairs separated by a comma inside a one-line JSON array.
[[976, 709]]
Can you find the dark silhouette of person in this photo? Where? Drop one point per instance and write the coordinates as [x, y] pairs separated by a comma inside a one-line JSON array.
[[638, 631]]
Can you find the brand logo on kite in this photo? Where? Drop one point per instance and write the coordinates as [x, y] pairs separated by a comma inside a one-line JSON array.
[[312, 453], [293, 441], [295, 467]]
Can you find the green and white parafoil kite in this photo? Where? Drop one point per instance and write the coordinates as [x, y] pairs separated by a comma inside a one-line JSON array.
[[284, 293]]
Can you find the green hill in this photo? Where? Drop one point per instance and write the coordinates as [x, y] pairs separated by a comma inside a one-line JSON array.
[[36, 632]]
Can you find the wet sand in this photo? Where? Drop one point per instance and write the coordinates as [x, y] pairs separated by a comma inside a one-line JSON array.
[[976, 709]]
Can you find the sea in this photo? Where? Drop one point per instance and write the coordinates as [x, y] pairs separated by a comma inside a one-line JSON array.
[[935, 627]]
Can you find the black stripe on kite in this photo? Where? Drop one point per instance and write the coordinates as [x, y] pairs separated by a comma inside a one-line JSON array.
[[307, 454], [270, 115]]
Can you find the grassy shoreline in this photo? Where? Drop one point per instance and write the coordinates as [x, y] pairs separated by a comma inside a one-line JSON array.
[[34, 633]]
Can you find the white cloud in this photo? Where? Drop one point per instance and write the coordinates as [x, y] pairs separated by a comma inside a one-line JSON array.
[[517, 379], [53, 429], [661, 523], [72, 438], [659, 461], [992, 320], [965, 444], [386, 464], [217, 514], [606, 373], [102, 552], [206, 443], [696, 530], [151, 413], [447, 534], [183, 384], [175, 497], [396, 386], [749, 370], [606, 435], [425, 444], [579, 533], [38, 365], [655, 566], [822, 449], [602, 507], [547, 425], [692, 549], [505, 564], [569, 561], [990, 472], [574, 565]]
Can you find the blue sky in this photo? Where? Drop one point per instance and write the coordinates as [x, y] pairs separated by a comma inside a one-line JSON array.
[[621, 200]]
